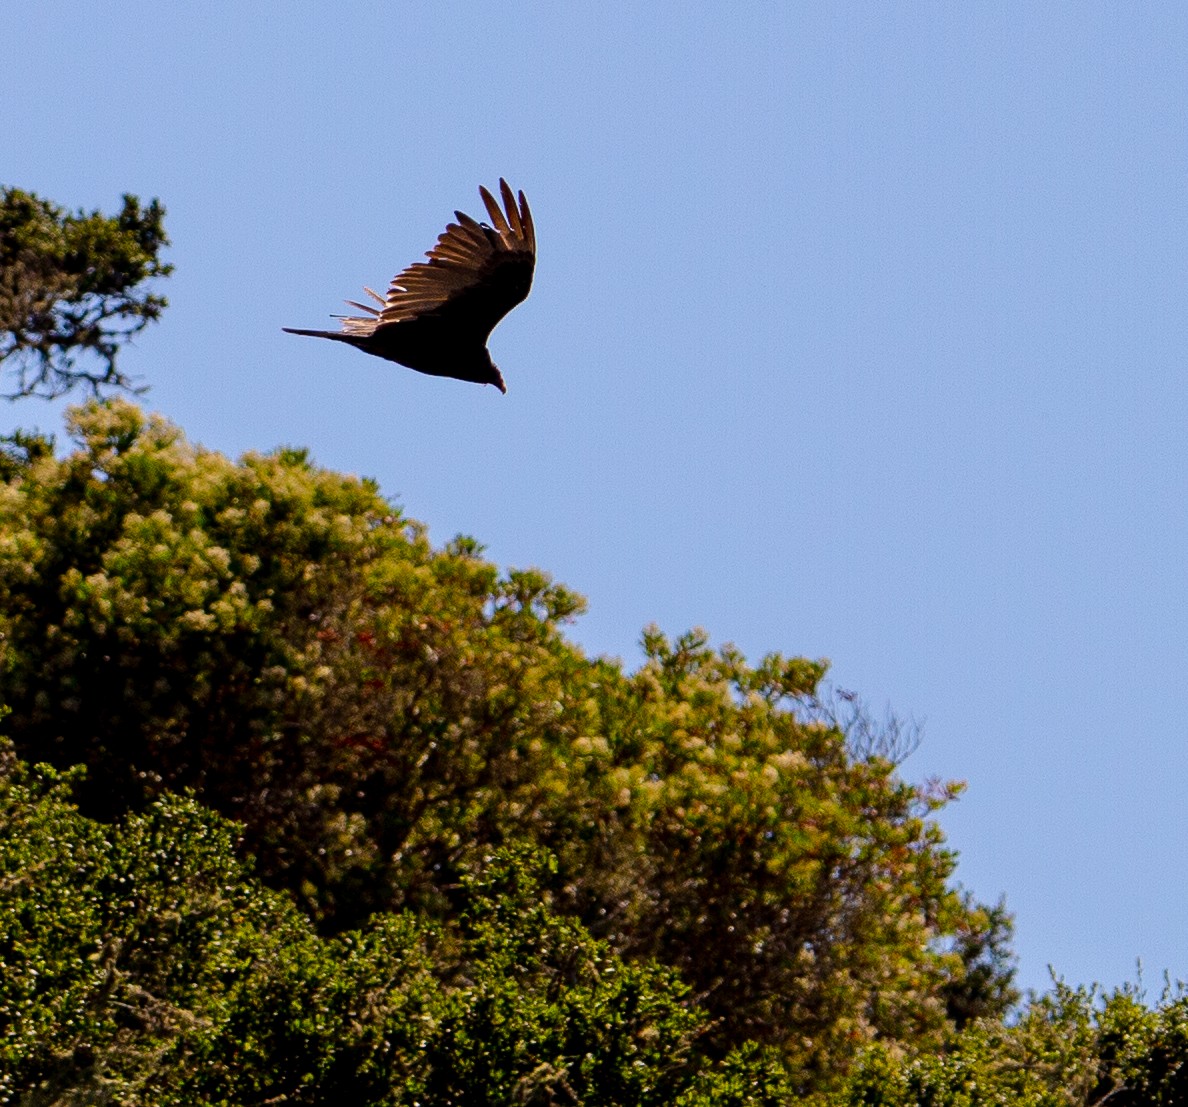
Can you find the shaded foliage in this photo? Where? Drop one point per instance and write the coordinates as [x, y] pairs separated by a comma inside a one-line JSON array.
[[142, 964], [72, 291], [984, 989]]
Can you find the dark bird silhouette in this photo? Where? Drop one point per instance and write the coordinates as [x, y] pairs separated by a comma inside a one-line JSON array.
[[438, 314]]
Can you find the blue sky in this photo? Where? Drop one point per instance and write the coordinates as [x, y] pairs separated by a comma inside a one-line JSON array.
[[858, 332]]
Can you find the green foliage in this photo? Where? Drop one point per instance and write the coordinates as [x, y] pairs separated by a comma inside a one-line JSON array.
[[113, 941], [494, 871], [72, 284], [1072, 1047], [798, 890], [141, 964], [160, 603], [984, 987], [381, 715], [600, 1030]]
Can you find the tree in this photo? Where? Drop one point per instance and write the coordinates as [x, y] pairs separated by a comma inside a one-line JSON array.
[[382, 715], [800, 891], [142, 962], [72, 286]]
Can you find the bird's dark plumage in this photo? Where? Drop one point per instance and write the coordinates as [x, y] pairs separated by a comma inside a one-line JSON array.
[[438, 314]]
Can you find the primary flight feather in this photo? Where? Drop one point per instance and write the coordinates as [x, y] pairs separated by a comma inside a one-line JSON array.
[[438, 314]]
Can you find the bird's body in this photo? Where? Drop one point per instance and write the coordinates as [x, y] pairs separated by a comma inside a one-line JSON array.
[[438, 314], [435, 350]]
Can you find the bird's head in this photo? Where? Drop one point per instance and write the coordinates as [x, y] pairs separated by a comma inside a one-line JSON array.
[[478, 367]]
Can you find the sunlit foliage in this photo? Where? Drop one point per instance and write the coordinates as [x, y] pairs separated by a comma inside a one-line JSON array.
[[380, 714]]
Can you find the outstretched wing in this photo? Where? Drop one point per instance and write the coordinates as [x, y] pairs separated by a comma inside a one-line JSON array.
[[475, 274]]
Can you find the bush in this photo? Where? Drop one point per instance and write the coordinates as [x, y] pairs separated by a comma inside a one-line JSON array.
[[1069, 1047], [141, 963]]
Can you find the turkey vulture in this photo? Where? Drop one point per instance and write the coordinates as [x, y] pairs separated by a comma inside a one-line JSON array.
[[439, 313]]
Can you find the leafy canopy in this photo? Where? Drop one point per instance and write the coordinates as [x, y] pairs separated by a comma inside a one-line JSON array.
[[381, 715]]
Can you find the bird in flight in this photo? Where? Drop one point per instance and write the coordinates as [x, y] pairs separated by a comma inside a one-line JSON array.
[[438, 314]]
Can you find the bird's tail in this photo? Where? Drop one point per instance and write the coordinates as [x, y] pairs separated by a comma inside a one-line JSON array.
[[336, 335]]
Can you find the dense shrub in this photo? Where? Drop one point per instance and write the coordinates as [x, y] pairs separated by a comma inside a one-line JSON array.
[[141, 963], [1072, 1047]]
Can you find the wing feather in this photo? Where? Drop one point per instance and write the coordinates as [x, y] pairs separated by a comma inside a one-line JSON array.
[[495, 212], [509, 204], [527, 224], [474, 275], [455, 252]]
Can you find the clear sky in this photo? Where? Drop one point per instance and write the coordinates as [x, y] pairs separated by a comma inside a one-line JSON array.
[[858, 332]]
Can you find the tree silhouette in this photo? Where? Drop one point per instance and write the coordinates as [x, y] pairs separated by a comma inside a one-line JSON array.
[[72, 291]]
